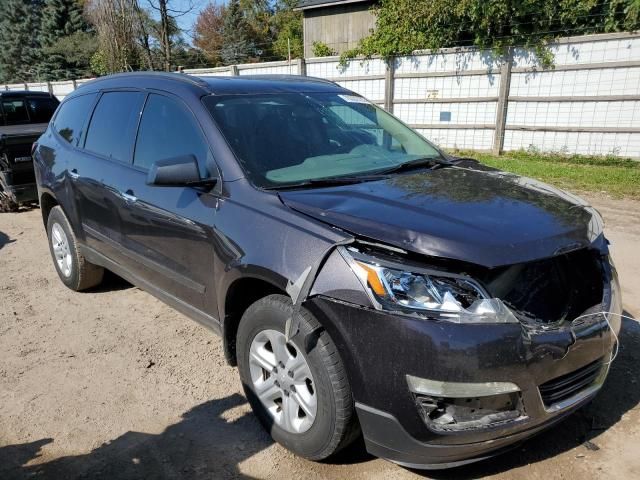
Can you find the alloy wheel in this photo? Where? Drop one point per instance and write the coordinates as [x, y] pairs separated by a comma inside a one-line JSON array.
[[61, 250], [282, 381]]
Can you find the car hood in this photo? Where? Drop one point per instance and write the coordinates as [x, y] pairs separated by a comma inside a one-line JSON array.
[[487, 218]]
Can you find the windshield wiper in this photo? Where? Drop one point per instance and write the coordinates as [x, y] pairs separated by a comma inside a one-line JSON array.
[[431, 162], [328, 181]]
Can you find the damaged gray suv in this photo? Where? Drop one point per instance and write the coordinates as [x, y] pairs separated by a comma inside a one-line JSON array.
[[363, 281]]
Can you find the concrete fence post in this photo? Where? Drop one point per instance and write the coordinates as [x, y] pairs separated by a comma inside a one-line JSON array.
[[49, 87], [503, 102], [234, 70], [302, 67], [389, 78], [75, 85]]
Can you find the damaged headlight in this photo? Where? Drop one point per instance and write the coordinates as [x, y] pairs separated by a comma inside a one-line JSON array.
[[441, 295]]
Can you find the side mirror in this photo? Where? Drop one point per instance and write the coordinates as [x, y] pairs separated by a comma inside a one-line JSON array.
[[179, 171]]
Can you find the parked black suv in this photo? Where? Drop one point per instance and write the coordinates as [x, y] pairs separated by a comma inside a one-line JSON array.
[[24, 115], [361, 279]]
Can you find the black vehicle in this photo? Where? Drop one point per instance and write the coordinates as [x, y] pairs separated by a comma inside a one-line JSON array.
[[24, 115], [361, 279]]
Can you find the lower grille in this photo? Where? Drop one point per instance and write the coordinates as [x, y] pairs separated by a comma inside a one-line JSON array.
[[565, 386]]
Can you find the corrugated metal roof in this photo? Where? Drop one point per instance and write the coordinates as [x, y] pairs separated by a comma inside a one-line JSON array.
[[306, 4]]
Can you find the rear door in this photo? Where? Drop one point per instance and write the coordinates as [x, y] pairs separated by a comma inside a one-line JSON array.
[[59, 152], [169, 230], [99, 174]]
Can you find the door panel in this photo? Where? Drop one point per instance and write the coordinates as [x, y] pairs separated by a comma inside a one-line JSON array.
[[99, 199], [169, 230]]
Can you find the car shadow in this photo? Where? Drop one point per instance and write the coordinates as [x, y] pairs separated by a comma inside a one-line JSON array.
[[110, 283], [208, 442], [5, 239], [620, 393]]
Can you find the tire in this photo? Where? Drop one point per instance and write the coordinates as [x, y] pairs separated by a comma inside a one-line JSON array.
[[73, 269], [335, 424]]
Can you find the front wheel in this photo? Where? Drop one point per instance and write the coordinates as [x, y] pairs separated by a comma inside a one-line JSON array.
[[302, 398]]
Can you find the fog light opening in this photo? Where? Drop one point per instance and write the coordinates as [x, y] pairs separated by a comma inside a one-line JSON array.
[[442, 414]]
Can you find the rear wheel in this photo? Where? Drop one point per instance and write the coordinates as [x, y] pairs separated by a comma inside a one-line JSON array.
[[73, 269], [302, 398]]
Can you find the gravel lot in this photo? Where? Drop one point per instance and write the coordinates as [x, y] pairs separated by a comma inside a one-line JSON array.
[[114, 384]]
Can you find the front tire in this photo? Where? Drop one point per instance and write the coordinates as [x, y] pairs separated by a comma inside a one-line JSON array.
[[302, 398], [73, 269]]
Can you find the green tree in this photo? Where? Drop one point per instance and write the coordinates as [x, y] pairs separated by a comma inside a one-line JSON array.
[[287, 23], [321, 49], [237, 46], [19, 27], [66, 41], [404, 26], [258, 14]]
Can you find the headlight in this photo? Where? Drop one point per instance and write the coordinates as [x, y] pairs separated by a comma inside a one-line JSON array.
[[440, 295]]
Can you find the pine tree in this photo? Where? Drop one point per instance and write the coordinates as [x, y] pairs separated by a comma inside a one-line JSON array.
[[236, 43], [19, 28], [67, 45]]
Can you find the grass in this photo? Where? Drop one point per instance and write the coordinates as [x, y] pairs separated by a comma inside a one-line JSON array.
[[618, 177]]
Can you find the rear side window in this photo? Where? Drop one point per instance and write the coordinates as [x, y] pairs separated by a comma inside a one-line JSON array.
[[41, 108], [72, 117], [168, 130], [113, 125], [15, 111]]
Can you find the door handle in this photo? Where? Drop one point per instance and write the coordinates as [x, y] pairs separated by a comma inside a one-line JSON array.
[[129, 196], [74, 174]]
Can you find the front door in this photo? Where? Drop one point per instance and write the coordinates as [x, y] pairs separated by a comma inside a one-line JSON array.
[[169, 230]]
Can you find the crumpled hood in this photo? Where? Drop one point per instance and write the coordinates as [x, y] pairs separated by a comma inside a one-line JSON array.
[[486, 218]]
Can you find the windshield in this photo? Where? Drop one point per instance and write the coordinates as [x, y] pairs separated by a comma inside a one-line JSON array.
[[292, 138]]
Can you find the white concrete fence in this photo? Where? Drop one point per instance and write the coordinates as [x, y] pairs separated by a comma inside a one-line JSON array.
[[588, 102]]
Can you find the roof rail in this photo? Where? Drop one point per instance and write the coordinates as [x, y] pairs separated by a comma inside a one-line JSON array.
[[181, 77]]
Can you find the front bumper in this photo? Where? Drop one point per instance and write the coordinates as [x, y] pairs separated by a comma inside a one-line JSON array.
[[381, 349]]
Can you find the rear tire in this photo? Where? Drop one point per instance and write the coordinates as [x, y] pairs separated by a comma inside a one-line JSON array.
[[333, 424], [73, 269]]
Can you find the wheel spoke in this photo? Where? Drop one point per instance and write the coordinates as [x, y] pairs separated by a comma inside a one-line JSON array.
[[55, 232], [289, 412], [267, 390], [298, 366], [278, 344], [259, 356], [307, 405]]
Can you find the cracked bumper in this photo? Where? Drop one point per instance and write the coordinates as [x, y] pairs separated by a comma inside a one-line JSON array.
[[381, 349]]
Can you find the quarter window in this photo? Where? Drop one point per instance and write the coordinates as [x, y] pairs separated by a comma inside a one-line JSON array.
[[72, 117], [113, 125], [169, 130]]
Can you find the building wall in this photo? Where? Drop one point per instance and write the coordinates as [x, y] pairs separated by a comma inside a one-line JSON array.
[[340, 26]]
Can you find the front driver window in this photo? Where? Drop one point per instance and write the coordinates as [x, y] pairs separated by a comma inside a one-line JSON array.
[[167, 130]]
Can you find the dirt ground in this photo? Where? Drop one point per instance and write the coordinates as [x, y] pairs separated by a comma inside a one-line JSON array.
[[114, 384]]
